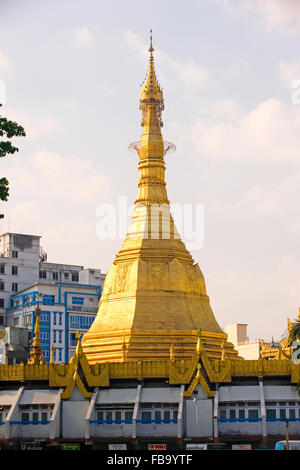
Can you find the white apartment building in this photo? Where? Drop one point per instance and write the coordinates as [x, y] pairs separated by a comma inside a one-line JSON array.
[[23, 263], [237, 335]]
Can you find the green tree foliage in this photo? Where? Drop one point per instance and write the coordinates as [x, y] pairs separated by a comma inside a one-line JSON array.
[[8, 129]]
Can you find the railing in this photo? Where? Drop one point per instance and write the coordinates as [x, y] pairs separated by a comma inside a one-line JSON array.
[[82, 308]]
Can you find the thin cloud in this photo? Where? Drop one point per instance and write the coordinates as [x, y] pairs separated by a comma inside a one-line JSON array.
[[256, 299], [79, 36], [270, 132], [34, 127], [188, 71], [279, 14], [7, 67], [289, 71]]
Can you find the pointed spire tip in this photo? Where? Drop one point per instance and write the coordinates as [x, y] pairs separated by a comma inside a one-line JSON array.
[[151, 49]]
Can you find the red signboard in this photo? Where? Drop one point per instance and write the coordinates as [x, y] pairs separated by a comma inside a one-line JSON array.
[[157, 446]]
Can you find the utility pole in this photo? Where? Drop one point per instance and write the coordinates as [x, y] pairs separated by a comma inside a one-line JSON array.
[[287, 434]]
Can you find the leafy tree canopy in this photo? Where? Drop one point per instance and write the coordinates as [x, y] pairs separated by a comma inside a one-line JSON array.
[[8, 129]]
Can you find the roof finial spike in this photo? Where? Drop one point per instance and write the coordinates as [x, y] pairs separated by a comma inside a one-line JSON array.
[[52, 361], [36, 353], [151, 49]]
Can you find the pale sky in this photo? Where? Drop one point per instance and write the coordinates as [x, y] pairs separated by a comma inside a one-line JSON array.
[[72, 71]]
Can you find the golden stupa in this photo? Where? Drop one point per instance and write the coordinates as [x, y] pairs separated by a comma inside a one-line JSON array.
[[154, 297]]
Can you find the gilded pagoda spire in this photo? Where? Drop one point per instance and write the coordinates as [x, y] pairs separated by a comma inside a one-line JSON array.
[[151, 149], [154, 294], [36, 352], [151, 93]]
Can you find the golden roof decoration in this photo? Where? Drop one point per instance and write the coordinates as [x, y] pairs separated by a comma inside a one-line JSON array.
[[151, 92], [154, 293], [36, 352]]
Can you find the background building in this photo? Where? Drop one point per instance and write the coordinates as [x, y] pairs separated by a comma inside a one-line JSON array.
[[237, 335], [23, 263], [65, 308]]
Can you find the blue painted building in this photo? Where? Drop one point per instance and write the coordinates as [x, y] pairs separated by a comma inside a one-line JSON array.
[[65, 308]]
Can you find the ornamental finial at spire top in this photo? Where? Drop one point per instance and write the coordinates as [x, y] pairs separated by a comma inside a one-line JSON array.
[[151, 49], [151, 105], [151, 93]]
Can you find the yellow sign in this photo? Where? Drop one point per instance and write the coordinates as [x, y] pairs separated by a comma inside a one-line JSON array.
[[70, 446]]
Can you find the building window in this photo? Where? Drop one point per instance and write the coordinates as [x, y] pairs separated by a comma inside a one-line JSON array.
[[231, 414], [146, 416], [1, 303], [14, 287], [66, 275], [2, 268], [1, 285], [14, 254], [167, 416], [46, 354], [43, 274], [112, 416], [25, 417], [45, 317], [241, 414], [28, 320], [128, 415], [60, 319], [16, 321], [73, 341], [55, 276], [44, 335], [292, 414], [14, 270], [35, 413], [77, 300], [60, 337], [75, 277], [282, 413], [222, 414], [48, 299], [253, 414], [4, 413]]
